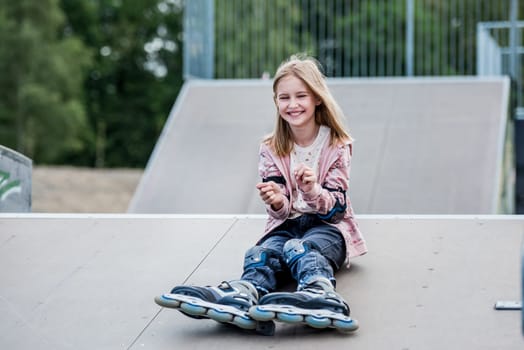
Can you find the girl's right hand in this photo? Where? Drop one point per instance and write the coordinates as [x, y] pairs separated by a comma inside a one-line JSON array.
[[271, 194]]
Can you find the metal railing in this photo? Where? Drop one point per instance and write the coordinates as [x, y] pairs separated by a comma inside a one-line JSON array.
[[497, 55], [240, 39]]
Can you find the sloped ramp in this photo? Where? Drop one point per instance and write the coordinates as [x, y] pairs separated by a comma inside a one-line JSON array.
[[88, 282], [423, 146]]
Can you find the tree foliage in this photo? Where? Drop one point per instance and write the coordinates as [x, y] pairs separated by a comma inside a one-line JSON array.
[[41, 109], [136, 74], [88, 82], [251, 28], [92, 82]]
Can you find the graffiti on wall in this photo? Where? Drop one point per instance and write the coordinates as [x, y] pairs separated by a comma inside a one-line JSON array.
[[8, 187]]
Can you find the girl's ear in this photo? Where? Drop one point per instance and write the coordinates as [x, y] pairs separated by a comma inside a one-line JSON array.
[[318, 102]]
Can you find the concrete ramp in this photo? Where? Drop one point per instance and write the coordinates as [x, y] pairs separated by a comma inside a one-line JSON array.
[[88, 282], [205, 160], [423, 146]]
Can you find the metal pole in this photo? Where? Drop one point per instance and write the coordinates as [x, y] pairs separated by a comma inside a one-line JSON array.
[[513, 12], [199, 41], [210, 42], [410, 28], [186, 62]]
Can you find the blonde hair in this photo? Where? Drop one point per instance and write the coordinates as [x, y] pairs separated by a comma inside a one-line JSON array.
[[328, 112]]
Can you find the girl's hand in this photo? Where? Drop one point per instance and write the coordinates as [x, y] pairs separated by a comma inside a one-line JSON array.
[[305, 178], [271, 194]]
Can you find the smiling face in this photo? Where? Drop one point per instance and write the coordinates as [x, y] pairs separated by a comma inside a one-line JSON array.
[[295, 102]]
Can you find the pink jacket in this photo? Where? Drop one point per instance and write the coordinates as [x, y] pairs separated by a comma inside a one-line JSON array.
[[327, 196]]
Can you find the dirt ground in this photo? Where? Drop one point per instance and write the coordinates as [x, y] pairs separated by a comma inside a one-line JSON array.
[[83, 190]]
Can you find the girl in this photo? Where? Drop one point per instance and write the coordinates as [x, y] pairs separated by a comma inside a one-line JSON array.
[[310, 231]]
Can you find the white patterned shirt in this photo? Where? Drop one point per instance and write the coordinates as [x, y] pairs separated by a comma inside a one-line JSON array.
[[310, 156]]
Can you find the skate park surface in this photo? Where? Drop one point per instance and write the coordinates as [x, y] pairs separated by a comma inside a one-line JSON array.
[[426, 183], [88, 282]]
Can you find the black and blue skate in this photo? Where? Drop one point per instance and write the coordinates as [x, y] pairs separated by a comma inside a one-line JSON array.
[[316, 305], [227, 303]]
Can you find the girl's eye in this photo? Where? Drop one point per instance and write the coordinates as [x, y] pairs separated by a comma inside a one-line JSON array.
[[283, 98]]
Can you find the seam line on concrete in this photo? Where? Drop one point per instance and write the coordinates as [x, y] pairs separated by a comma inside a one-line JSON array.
[[145, 328], [28, 216], [127, 216], [185, 281]]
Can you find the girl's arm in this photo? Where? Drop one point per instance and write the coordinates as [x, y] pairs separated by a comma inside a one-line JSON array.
[[329, 199], [273, 189]]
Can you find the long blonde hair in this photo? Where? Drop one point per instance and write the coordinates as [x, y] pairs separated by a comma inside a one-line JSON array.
[[328, 112]]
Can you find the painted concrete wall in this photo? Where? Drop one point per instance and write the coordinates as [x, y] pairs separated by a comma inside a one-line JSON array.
[[15, 181]]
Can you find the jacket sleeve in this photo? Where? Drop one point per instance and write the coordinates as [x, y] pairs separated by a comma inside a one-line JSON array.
[[269, 171], [329, 199]]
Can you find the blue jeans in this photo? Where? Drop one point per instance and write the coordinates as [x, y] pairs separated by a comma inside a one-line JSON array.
[[324, 254]]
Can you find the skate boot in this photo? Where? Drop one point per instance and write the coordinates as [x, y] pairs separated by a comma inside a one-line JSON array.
[[227, 303], [316, 305]]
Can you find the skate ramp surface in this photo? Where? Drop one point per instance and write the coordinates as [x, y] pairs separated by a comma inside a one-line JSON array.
[[422, 146], [88, 282]]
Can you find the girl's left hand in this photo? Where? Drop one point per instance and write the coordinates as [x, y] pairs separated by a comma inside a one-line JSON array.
[[305, 178]]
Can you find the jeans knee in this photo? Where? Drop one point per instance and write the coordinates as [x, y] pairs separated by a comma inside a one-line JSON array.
[[257, 256], [295, 249]]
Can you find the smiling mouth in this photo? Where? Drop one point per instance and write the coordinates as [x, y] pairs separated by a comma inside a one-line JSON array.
[[294, 113]]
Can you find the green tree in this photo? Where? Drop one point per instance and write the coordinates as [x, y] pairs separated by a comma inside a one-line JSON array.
[[267, 31], [136, 75], [41, 108]]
